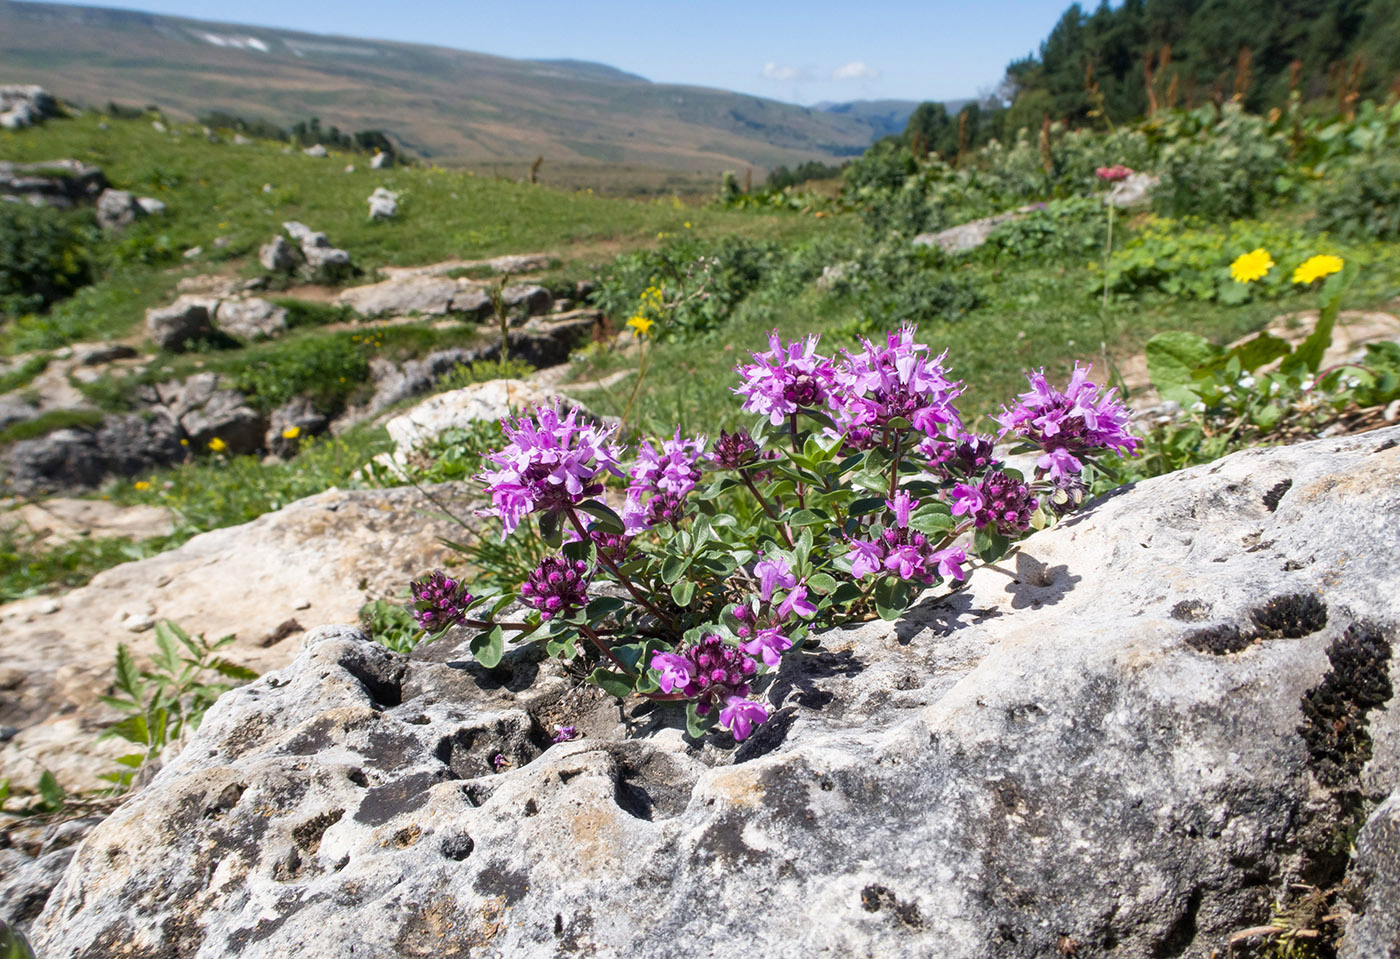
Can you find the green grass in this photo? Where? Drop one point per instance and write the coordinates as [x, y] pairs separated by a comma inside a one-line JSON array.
[[23, 374], [46, 423], [216, 190]]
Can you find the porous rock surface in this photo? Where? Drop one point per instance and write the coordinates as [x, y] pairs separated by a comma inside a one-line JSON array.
[[318, 558], [1098, 747]]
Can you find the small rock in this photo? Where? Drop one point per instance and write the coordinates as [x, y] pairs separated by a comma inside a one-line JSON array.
[[302, 603], [239, 140], [527, 299], [193, 253], [157, 126], [151, 205], [138, 623], [104, 353], [381, 161], [316, 151], [383, 204], [1392, 412], [49, 607], [349, 168], [251, 318], [189, 318], [279, 256], [117, 209]]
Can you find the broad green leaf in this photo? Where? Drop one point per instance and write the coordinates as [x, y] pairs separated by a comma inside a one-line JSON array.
[[611, 682], [233, 670], [821, 583], [602, 606], [1171, 359], [695, 724], [673, 567], [128, 679], [607, 519], [51, 792], [1260, 350], [489, 647], [683, 591]]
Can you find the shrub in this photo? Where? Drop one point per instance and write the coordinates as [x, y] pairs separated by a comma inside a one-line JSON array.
[[45, 255], [1228, 171], [1363, 203], [326, 369], [1073, 229]]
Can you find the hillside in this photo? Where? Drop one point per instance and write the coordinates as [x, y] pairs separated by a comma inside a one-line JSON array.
[[453, 106]]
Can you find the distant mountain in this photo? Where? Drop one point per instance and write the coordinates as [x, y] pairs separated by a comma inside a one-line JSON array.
[[884, 117], [450, 105]]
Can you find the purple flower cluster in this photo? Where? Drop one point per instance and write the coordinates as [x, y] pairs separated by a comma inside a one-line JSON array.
[[1113, 174], [969, 454], [557, 587], [897, 380], [712, 672], [551, 462], [762, 627], [660, 482], [899, 550], [999, 501], [439, 601], [786, 379], [1070, 424], [734, 450], [564, 734]]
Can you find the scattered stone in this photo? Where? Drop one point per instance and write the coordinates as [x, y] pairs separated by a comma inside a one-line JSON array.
[[157, 126], [117, 209], [97, 354], [383, 204], [521, 262], [527, 299], [302, 604], [75, 458], [474, 301], [150, 205], [251, 318], [381, 161], [193, 253], [25, 105], [138, 623], [316, 151], [429, 295], [324, 263], [349, 168], [59, 520], [239, 140], [188, 319], [1041, 757], [225, 415], [547, 341], [1135, 191], [969, 236], [278, 256]]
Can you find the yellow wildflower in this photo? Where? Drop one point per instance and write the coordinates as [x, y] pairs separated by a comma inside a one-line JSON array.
[[641, 324], [184, 442], [216, 445], [1316, 267], [1251, 266], [687, 224], [142, 485], [291, 432]]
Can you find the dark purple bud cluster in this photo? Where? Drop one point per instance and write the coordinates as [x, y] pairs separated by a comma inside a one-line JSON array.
[[439, 601], [557, 587], [733, 450], [1007, 504]]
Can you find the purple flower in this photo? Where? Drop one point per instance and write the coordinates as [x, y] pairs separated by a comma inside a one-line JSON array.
[[660, 482], [707, 672], [1068, 425], [773, 573], [734, 450], [557, 587], [770, 644], [950, 563], [499, 762], [866, 558], [551, 462], [563, 734], [967, 500], [740, 716], [796, 602], [1113, 174], [999, 501], [786, 378], [439, 601], [897, 380], [898, 549]]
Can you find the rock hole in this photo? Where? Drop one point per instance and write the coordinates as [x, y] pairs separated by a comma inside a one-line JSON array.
[[288, 866], [228, 798], [419, 720], [1190, 611], [358, 777], [532, 808], [1387, 445], [874, 898], [632, 799], [383, 683], [341, 863], [1334, 726], [458, 847], [1220, 640], [308, 835]]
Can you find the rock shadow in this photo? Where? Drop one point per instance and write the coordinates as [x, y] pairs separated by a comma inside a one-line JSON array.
[[943, 615], [1038, 584]]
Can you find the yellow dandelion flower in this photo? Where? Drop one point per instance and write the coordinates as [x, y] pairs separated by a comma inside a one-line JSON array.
[[184, 442], [291, 432], [216, 445], [1251, 266], [687, 224], [142, 485], [1316, 267], [641, 324]]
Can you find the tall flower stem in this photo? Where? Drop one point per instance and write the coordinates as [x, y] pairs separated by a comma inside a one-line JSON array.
[[607, 561], [767, 507]]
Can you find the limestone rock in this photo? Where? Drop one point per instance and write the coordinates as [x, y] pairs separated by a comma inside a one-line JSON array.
[[150, 205], [299, 417], [381, 161], [316, 151], [1375, 930], [1122, 741], [383, 204], [474, 301], [968, 236], [189, 318], [324, 263], [1135, 191], [396, 297], [226, 416], [61, 183], [527, 299], [548, 341], [251, 318], [278, 256], [59, 520], [491, 400], [117, 209], [71, 459], [335, 550], [23, 105]]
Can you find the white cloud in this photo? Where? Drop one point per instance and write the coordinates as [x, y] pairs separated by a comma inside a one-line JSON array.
[[855, 70], [771, 71]]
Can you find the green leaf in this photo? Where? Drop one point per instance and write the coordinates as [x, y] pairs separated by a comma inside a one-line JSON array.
[[806, 517], [611, 682], [4, 792], [932, 519], [51, 792], [551, 529], [821, 583], [845, 594], [1309, 353], [1171, 359], [233, 670], [892, 597], [673, 567], [607, 519], [1259, 350], [695, 724], [133, 729], [683, 591], [989, 545], [489, 647], [601, 607]]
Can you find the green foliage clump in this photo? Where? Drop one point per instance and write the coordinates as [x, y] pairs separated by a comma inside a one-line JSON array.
[[46, 423], [23, 374], [326, 369], [1073, 229], [29, 569], [692, 284], [1193, 260], [390, 625], [1231, 169], [892, 284], [166, 703], [1363, 203], [45, 256], [468, 374]]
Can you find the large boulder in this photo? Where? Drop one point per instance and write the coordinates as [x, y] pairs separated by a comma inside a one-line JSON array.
[[318, 558], [429, 295], [77, 458], [188, 319], [971, 235], [278, 256], [251, 318], [23, 105], [1128, 738], [548, 341], [527, 299]]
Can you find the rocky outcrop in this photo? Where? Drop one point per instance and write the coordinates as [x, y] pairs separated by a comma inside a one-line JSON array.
[[971, 235], [324, 263], [278, 256], [292, 424], [187, 320], [428, 295], [250, 318], [318, 558], [60, 183], [73, 458], [207, 410], [1125, 739], [527, 299], [491, 401], [25, 105]]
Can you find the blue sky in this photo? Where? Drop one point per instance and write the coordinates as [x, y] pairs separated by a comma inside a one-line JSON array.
[[801, 52]]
